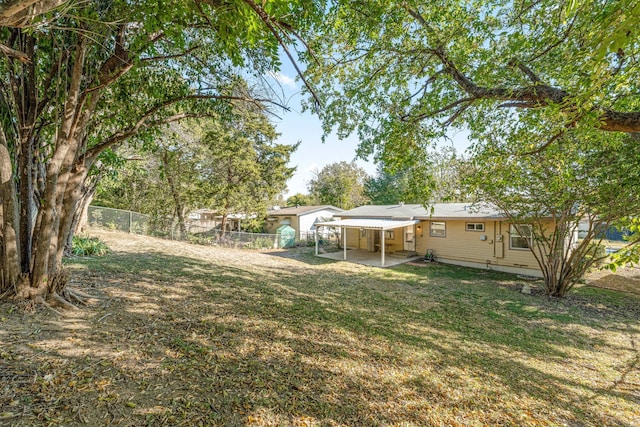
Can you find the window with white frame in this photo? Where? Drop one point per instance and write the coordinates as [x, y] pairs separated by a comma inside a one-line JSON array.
[[520, 236], [438, 229], [475, 226]]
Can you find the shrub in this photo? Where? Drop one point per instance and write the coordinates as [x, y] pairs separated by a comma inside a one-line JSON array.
[[88, 246], [260, 243]]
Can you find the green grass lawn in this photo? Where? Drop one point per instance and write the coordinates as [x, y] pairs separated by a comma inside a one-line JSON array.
[[214, 337]]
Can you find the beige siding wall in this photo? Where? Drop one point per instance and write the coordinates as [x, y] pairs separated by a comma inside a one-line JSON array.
[[272, 226], [464, 246], [295, 224], [363, 238], [396, 243], [353, 238]]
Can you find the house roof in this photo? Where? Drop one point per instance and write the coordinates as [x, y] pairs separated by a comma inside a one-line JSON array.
[[464, 211], [301, 210], [438, 211], [203, 210], [384, 211], [374, 224]]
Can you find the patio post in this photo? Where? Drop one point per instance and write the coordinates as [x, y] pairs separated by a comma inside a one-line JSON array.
[[382, 247], [344, 245], [317, 230]]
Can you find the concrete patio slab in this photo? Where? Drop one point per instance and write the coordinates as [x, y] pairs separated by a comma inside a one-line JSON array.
[[372, 259]]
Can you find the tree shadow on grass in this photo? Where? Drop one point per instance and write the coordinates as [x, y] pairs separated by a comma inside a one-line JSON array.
[[183, 341], [301, 254]]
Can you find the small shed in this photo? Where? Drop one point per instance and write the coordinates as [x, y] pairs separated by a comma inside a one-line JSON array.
[[286, 236]]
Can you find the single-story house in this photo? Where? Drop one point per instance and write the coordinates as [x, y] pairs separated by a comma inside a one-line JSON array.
[[456, 233], [202, 215], [303, 219], [202, 220]]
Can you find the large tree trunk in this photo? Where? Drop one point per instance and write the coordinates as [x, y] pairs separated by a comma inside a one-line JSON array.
[[175, 194], [67, 205], [10, 248], [223, 223], [41, 244], [81, 213]]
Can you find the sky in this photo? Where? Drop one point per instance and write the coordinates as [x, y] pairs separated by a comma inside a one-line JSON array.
[[312, 154]]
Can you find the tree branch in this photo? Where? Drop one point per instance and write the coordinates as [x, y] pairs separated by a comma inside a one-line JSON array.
[[146, 121], [526, 70], [551, 140], [15, 54], [21, 13], [440, 110], [273, 28], [535, 96], [177, 55]]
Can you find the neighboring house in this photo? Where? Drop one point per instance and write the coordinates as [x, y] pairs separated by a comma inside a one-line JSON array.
[[202, 220], [457, 233], [202, 215], [303, 219]]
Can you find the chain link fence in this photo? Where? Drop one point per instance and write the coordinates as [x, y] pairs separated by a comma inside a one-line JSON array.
[[116, 219], [329, 237], [193, 232]]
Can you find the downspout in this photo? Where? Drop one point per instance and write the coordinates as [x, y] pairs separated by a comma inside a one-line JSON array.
[[344, 240], [382, 247]]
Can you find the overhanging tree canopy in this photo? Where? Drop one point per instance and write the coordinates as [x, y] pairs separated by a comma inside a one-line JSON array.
[[97, 75], [402, 73]]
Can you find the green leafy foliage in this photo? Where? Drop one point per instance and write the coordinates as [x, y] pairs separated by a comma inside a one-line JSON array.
[[89, 246], [431, 178], [630, 253], [300, 199], [402, 74], [573, 184], [232, 167], [94, 74], [339, 184], [244, 167]]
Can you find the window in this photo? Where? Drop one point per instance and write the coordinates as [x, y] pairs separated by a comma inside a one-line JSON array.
[[475, 226], [520, 236], [438, 229], [389, 234]]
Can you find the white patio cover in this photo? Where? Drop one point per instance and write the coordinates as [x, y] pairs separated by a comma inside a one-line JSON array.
[[372, 224]]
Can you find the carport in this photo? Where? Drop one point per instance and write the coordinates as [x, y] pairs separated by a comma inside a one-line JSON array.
[[366, 224]]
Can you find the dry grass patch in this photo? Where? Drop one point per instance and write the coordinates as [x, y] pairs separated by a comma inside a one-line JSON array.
[[192, 335]]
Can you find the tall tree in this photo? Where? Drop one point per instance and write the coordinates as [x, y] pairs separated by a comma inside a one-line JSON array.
[[244, 168], [228, 166], [159, 178], [96, 76], [339, 184], [432, 178], [300, 199], [387, 188], [402, 73], [548, 195]]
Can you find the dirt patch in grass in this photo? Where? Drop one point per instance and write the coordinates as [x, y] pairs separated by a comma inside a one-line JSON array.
[[194, 335], [625, 279]]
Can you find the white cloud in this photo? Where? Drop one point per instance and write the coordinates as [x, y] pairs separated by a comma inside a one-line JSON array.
[[283, 79]]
